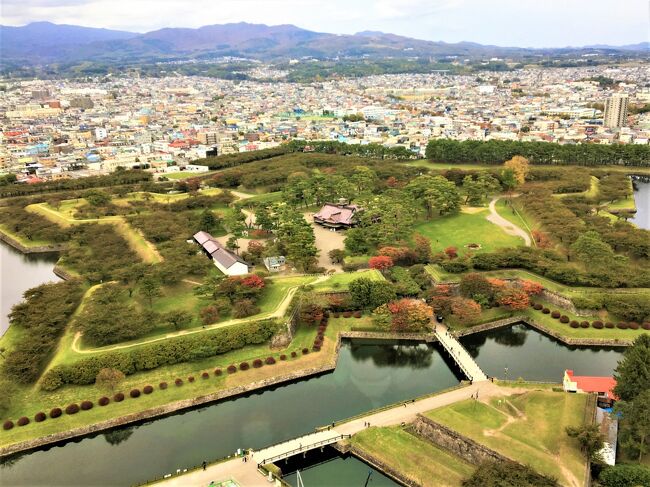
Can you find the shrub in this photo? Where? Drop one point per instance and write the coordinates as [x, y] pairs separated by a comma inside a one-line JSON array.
[[190, 378], [103, 401], [162, 385], [23, 421], [72, 409], [574, 324], [283, 357], [316, 348], [538, 306], [294, 354], [584, 324], [336, 314], [244, 366], [546, 311], [231, 369], [269, 361], [134, 393], [217, 372], [205, 375], [609, 324], [257, 363], [564, 319], [347, 314], [305, 351], [633, 326], [556, 315], [357, 314], [598, 325], [55, 412], [7, 425], [40, 417], [86, 405], [119, 397], [147, 389], [178, 382], [645, 326], [621, 325]]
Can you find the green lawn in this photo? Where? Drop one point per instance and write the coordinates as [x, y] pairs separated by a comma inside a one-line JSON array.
[[413, 457], [341, 281], [462, 229], [515, 218], [25, 241], [186, 174], [528, 427]]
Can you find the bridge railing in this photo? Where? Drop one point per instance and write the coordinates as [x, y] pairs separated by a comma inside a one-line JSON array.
[[304, 448]]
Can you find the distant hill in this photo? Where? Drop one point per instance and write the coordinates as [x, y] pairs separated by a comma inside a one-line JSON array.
[[44, 42], [45, 39]]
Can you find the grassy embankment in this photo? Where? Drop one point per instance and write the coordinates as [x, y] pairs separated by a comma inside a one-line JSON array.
[[414, 457], [528, 428], [341, 281]]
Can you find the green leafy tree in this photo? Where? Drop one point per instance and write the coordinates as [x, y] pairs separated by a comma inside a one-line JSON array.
[[635, 423], [507, 474], [590, 439], [150, 288], [178, 318], [369, 294], [109, 379], [623, 475], [632, 373]]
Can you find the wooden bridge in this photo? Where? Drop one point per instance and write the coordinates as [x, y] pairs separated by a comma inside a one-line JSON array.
[[460, 355]]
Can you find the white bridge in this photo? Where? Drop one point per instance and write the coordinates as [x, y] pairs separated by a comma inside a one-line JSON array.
[[460, 355], [298, 445]]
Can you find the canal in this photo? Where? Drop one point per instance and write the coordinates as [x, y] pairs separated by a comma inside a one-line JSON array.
[[642, 201], [369, 374], [20, 272]]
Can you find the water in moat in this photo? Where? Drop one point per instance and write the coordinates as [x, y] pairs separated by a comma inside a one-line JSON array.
[[20, 272], [369, 374], [642, 201]]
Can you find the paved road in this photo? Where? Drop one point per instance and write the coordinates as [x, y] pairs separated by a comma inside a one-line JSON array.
[[245, 474], [508, 227]]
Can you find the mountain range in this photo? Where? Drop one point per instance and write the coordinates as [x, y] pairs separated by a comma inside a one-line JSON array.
[[45, 42]]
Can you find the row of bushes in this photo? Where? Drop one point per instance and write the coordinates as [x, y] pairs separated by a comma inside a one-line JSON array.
[[597, 324], [347, 314], [168, 352], [135, 393]]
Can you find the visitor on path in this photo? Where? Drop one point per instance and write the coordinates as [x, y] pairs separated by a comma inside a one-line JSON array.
[[205, 464]]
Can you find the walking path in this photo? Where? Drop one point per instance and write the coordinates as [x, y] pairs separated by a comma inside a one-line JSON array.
[[508, 227], [277, 313], [246, 474], [460, 355]]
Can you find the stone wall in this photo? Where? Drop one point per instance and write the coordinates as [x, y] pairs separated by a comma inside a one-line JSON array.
[[40, 249], [452, 441], [378, 335]]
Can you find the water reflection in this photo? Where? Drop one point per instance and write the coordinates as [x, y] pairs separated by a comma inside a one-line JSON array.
[[403, 354], [117, 436]]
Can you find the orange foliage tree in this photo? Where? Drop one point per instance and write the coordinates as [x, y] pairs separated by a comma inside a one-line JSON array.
[[404, 315], [381, 262], [465, 310]]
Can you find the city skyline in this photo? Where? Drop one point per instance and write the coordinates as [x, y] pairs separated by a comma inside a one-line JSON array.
[[502, 23]]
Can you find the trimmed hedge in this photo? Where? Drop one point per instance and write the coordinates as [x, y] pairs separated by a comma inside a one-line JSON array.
[[294, 354], [103, 401], [633, 326], [609, 324], [190, 378], [40, 417], [555, 315], [269, 361], [546, 311], [86, 405], [564, 319], [538, 306], [231, 369], [598, 325], [23, 421], [178, 382], [575, 324], [305, 351], [217, 372], [147, 389], [584, 324], [244, 366], [205, 375], [55, 412], [621, 325], [645, 326], [134, 393], [119, 397], [7, 425], [167, 352], [257, 363], [283, 357], [72, 409], [162, 386]]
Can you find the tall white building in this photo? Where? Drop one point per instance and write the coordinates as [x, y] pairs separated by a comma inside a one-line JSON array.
[[616, 111]]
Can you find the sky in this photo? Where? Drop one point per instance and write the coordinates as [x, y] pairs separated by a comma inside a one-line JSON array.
[[521, 23]]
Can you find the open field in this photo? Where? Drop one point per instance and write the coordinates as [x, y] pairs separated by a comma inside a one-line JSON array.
[[185, 174], [529, 428], [412, 456], [464, 228]]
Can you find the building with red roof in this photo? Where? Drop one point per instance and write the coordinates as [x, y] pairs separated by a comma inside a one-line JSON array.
[[603, 386]]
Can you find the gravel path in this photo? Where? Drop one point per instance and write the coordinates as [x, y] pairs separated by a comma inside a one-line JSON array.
[[508, 227]]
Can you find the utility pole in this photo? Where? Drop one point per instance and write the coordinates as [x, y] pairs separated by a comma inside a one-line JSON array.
[[367, 478]]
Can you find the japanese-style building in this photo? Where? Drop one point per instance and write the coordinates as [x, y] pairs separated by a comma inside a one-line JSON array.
[[226, 261]]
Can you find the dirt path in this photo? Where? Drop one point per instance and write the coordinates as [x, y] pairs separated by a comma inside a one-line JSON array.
[[508, 227], [277, 313]]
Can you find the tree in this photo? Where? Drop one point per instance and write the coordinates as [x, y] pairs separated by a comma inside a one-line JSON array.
[[422, 248], [451, 252], [150, 288], [364, 179], [109, 379], [508, 179], [336, 256], [623, 475], [369, 294], [513, 298], [635, 423], [435, 193], [465, 310], [474, 285], [381, 263], [208, 221], [405, 315], [209, 315], [507, 474], [590, 439], [244, 308], [178, 318], [632, 373], [519, 166]]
